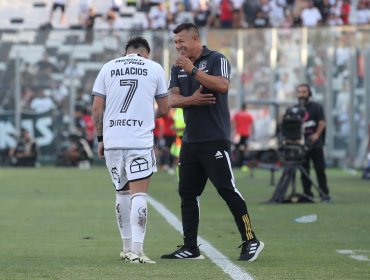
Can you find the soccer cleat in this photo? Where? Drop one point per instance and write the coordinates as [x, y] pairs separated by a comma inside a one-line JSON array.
[[125, 256], [184, 253], [140, 259], [251, 250]]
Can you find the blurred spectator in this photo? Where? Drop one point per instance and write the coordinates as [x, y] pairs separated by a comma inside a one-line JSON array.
[[201, 13], [333, 19], [362, 14], [243, 126], [25, 151], [261, 19], [42, 102], [311, 15], [158, 137], [89, 25], [325, 9], [83, 11], [89, 127], [238, 14], [276, 14], [226, 14], [250, 8], [145, 7], [76, 152], [58, 4], [116, 5], [158, 17], [169, 136], [345, 9], [111, 18]]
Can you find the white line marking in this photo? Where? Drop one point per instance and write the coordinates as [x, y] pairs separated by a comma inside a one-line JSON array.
[[213, 254], [352, 254]]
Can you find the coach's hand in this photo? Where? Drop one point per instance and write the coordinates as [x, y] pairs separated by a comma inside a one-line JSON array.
[[101, 150], [185, 63], [199, 98]]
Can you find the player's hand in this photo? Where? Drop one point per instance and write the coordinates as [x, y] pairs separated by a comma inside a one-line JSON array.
[[185, 63], [101, 150], [198, 98]]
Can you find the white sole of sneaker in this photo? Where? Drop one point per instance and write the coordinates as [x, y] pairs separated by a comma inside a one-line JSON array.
[[259, 250]]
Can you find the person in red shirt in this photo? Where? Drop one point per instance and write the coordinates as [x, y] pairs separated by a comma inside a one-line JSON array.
[[345, 11], [226, 14], [169, 136], [243, 124]]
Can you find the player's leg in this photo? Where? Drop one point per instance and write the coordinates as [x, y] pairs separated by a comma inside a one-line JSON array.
[[115, 165], [139, 166], [191, 185], [217, 163]]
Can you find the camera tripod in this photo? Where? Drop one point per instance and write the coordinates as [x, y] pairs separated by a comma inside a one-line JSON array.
[[289, 176]]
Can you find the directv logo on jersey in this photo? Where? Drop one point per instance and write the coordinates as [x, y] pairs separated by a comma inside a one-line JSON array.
[[125, 122]]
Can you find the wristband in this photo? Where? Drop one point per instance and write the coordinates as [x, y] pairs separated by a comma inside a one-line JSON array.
[[194, 71], [100, 138]]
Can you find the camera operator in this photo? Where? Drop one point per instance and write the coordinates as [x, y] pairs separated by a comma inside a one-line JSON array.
[[314, 134]]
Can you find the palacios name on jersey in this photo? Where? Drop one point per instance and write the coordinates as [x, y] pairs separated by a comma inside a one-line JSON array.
[[125, 122], [129, 71]]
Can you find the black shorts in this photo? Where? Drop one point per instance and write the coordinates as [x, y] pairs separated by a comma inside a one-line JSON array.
[[201, 161], [60, 6]]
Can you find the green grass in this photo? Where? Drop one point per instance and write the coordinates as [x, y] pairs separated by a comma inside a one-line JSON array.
[[60, 224]]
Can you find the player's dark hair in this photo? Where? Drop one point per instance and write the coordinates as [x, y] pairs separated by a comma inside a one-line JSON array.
[[186, 26], [308, 88], [138, 42]]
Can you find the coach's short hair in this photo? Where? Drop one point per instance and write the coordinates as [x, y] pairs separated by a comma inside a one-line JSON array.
[[138, 42], [186, 26]]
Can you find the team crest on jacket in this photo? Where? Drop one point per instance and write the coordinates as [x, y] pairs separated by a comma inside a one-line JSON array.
[[202, 65]]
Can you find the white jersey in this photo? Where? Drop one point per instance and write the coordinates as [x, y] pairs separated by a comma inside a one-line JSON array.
[[129, 85]]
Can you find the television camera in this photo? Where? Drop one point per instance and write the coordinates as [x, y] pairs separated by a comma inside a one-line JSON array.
[[293, 146], [292, 150]]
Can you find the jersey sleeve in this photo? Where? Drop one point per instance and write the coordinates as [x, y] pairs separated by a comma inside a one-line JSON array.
[[221, 67], [162, 84], [99, 87], [174, 81]]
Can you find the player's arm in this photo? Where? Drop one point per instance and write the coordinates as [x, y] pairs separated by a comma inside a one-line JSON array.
[[197, 98], [162, 107], [98, 113]]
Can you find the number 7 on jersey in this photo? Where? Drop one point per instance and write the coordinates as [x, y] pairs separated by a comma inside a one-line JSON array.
[[132, 84]]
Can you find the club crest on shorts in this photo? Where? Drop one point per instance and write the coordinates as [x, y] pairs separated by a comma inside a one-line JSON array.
[[115, 175], [139, 165]]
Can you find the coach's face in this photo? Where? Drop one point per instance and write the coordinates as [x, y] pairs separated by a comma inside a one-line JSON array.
[[185, 42]]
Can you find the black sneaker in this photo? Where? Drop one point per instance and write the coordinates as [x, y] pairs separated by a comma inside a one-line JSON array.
[[251, 250], [183, 252]]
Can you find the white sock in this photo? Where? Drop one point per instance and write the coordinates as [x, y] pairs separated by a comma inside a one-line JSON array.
[[123, 205], [138, 221]]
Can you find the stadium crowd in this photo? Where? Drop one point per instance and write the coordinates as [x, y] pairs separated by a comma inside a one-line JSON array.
[[165, 14]]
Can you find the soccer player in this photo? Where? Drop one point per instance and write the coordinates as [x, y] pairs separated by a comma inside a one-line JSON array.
[[123, 112], [199, 84]]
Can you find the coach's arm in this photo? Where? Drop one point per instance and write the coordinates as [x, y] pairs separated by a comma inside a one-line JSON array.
[[98, 113]]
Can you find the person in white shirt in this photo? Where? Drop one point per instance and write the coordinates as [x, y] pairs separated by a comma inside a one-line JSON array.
[[311, 15], [124, 113], [58, 4]]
